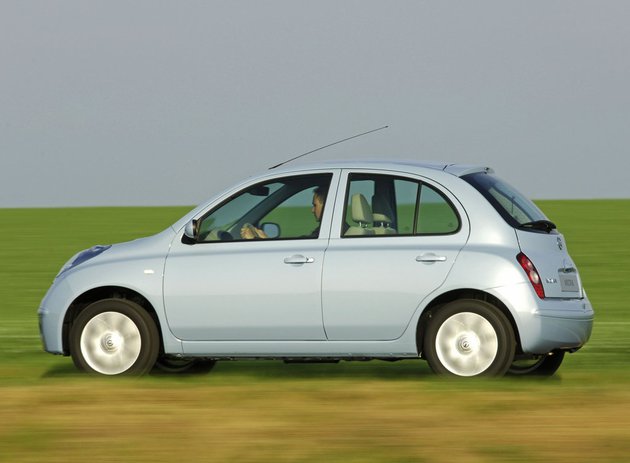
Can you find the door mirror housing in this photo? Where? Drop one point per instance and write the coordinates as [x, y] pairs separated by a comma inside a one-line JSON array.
[[272, 230], [191, 231]]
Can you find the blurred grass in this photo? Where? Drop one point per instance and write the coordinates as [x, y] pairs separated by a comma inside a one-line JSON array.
[[268, 411]]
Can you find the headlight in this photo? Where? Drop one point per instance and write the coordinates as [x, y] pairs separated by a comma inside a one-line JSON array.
[[82, 257]]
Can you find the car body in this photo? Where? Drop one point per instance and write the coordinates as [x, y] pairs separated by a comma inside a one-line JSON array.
[[441, 261]]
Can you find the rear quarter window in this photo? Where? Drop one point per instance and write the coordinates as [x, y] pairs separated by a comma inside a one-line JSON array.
[[435, 215]]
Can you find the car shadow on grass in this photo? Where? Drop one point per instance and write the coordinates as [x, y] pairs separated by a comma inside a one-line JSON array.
[[62, 370], [262, 370], [411, 370], [375, 369], [277, 369]]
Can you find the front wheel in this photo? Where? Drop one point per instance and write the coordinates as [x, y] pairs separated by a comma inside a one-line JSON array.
[[467, 338], [114, 337]]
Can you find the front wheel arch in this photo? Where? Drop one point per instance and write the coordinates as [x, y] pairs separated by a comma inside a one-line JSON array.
[[114, 337], [106, 292]]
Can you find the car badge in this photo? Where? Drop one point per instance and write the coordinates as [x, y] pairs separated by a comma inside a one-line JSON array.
[[560, 246]]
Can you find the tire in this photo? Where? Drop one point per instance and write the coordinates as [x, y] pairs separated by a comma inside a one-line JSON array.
[[170, 365], [543, 366], [469, 338], [114, 337]]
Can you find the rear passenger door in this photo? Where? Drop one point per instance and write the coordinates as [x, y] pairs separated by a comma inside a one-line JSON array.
[[393, 242]]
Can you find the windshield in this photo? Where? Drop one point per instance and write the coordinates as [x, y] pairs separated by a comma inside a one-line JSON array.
[[515, 208]]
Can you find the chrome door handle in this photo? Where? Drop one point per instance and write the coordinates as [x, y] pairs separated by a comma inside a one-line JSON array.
[[430, 257], [298, 259]]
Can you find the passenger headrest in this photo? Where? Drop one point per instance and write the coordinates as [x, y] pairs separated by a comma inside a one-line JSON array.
[[381, 210], [381, 218], [361, 211]]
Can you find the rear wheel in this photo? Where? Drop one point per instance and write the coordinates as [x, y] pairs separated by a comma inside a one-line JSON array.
[[171, 365], [114, 337], [467, 338], [543, 366]]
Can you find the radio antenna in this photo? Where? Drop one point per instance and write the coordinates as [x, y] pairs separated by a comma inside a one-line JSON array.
[[329, 145]]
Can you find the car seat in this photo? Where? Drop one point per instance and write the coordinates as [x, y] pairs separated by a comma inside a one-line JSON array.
[[362, 215], [381, 216]]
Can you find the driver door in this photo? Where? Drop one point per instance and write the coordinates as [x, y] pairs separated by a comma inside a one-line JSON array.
[[224, 287]]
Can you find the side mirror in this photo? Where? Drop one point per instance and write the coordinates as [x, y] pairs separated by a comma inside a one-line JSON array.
[[191, 231], [272, 230]]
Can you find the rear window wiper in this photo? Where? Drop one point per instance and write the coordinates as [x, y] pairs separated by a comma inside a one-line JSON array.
[[543, 225]]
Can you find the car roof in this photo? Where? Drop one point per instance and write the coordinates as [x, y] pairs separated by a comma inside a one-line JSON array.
[[457, 170], [427, 169]]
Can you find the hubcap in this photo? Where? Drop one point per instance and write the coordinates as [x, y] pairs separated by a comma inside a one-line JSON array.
[[466, 344], [110, 343]]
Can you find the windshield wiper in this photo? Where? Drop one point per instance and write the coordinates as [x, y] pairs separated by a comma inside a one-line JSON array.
[[543, 225]]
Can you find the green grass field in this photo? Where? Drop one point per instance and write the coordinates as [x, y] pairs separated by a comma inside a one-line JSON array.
[[267, 411]]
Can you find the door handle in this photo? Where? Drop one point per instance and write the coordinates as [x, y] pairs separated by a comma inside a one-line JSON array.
[[430, 257], [298, 259]]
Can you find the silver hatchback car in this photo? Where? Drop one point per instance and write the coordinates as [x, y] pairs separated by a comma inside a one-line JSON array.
[[326, 262]]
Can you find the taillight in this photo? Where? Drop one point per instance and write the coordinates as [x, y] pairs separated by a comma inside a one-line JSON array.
[[532, 274]]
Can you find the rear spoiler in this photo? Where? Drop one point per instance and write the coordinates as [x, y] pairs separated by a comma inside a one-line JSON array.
[[459, 170]]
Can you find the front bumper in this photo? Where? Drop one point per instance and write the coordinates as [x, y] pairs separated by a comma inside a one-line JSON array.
[[51, 312]]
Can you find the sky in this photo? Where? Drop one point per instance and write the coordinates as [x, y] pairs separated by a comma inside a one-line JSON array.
[[168, 103]]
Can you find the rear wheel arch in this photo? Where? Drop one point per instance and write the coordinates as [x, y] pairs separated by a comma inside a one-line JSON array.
[[106, 292], [451, 296]]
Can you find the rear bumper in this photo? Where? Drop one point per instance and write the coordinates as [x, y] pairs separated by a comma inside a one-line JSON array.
[[567, 332], [550, 324]]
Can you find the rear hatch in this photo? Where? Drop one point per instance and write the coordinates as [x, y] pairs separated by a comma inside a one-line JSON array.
[[548, 253], [537, 235]]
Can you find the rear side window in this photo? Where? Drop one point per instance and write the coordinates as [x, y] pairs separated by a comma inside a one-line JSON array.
[[383, 205], [515, 208]]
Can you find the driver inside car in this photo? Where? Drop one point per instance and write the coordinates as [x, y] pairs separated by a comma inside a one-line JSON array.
[[250, 232]]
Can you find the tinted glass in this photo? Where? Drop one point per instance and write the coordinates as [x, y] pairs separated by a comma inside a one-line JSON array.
[[515, 208], [294, 215], [383, 205], [435, 215], [287, 203], [406, 198]]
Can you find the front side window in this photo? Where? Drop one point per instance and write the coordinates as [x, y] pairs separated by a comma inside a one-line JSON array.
[[383, 205], [287, 208]]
